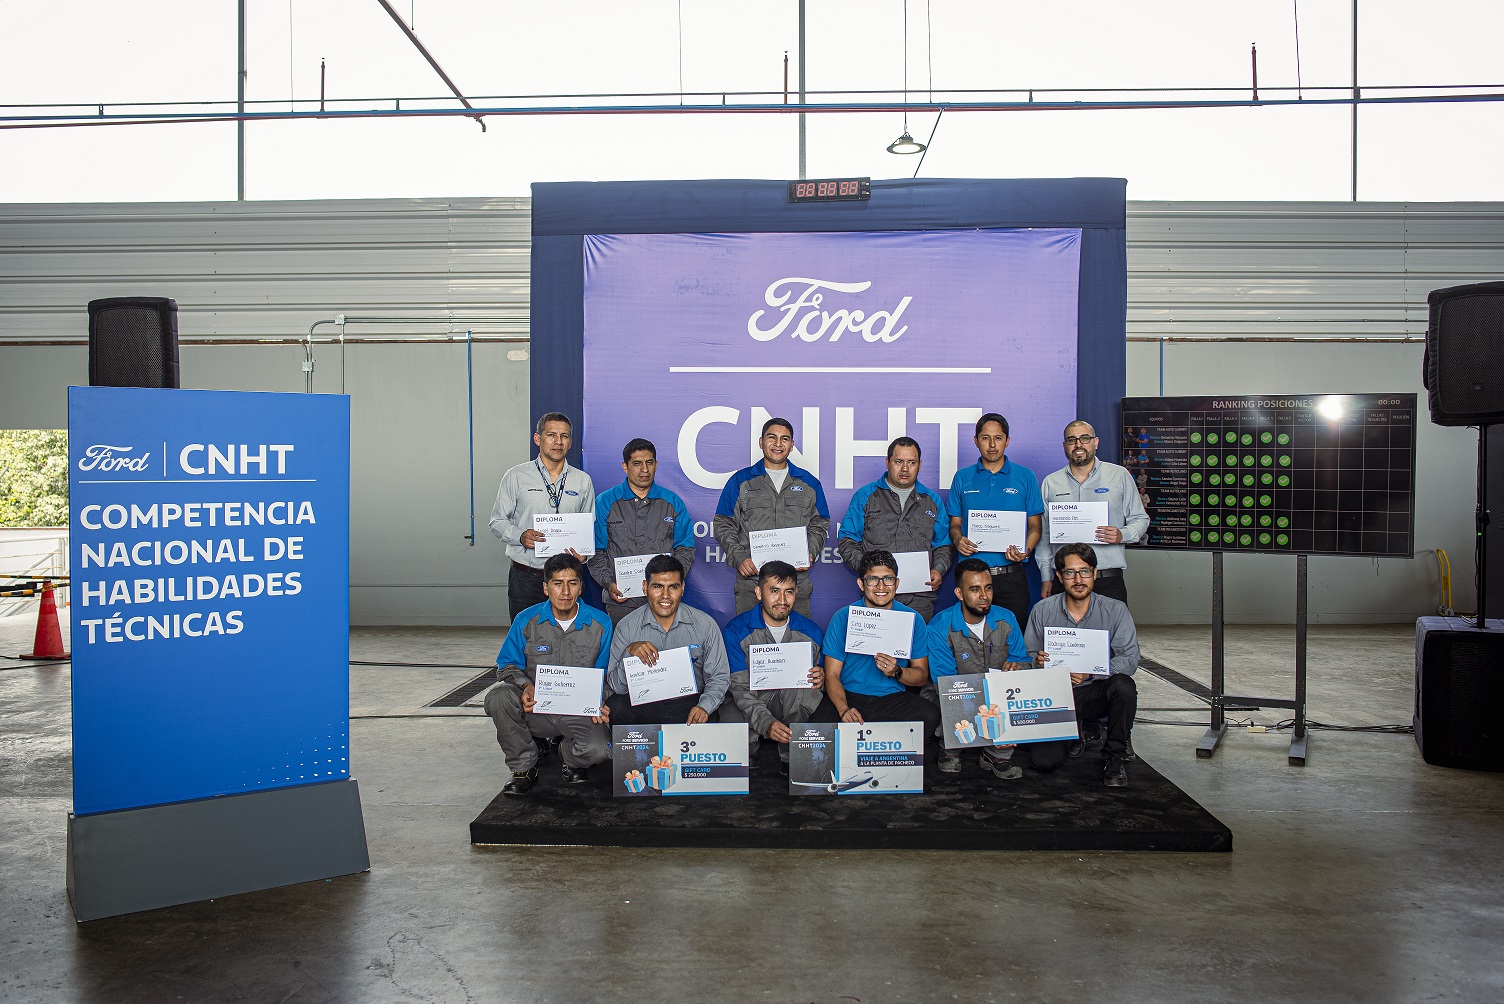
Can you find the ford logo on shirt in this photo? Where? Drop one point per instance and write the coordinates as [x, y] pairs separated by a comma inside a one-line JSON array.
[[796, 488], [929, 513], [965, 656], [571, 492], [668, 519], [1010, 491], [1103, 491], [542, 648]]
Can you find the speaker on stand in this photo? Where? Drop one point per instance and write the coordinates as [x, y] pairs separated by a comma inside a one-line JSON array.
[[133, 342], [1459, 665]]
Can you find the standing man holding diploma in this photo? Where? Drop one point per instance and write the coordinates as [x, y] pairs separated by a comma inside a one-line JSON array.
[[994, 483], [665, 623], [1087, 479], [772, 494], [561, 631], [900, 515], [545, 485], [637, 518], [1079, 607], [772, 622], [873, 688]]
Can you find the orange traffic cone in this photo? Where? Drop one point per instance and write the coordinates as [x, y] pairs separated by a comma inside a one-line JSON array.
[[49, 640]]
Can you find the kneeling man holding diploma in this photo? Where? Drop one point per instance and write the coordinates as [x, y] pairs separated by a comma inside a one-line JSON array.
[[564, 644], [775, 664], [876, 648], [1093, 636], [668, 662]]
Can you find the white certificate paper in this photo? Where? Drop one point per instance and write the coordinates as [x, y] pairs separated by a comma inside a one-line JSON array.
[[1077, 650], [563, 531], [567, 690], [789, 544], [870, 632], [780, 667], [913, 571], [996, 529], [630, 569], [1076, 522], [673, 675]]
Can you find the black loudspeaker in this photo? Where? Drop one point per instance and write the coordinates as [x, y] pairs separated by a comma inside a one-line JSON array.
[[1459, 693], [1464, 363], [133, 342]]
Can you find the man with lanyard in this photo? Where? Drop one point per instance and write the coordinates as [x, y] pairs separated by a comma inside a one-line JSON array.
[[665, 622], [637, 518], [973, 637], [561, 631], [898, 514], [996, 483], [772, 494], [547, 484], [874, 688], [1078, 605], [772, 622], [1086, 479]]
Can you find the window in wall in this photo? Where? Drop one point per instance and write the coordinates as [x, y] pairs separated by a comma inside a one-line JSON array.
[[33, 477]]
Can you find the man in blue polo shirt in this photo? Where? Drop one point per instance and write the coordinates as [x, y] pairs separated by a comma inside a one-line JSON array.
[[637, 518], [772, 494], [873, 688], [973, 637], [996, 483]]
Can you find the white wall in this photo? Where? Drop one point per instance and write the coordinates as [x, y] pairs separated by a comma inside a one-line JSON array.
[[269, 270]]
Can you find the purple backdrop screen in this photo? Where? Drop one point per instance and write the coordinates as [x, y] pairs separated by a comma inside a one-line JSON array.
[[694, 340]]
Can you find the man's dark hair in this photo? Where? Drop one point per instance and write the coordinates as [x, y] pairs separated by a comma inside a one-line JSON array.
[[1081, 421], [553, 416], [972, 565], [992, 416], [637, 446], [904, 441], [780, 570], [562, 563], [873, 559], [662, 564], [777, 421], [1082, 551]]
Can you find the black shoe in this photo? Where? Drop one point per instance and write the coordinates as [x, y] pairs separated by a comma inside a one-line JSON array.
[[1093, 734], [1075, 748], [1114, 771], [783, 768], [547, 747], [754, 761], [1128, 754], [520, 783], [574, 775]]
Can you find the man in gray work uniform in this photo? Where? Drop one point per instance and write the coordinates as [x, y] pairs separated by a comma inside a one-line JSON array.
[[897, 513], [772, 494], [545, 485], [666, 622], [635, 518], [1077, 605], [1087, 479], [561, 631]]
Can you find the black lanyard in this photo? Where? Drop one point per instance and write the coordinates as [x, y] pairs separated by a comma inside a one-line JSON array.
[[555, 492]]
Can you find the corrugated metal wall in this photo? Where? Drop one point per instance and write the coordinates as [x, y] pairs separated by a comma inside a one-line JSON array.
[[269, 270]]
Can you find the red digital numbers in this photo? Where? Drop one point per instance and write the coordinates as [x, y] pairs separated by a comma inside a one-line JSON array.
[[804, 190]]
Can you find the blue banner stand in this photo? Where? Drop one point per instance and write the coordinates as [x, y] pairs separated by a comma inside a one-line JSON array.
[[210, 558]]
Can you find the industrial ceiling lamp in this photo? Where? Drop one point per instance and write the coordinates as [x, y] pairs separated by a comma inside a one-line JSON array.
[[905, 144]]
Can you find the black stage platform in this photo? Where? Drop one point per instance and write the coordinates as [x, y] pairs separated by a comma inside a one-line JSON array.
[[1070, 810]]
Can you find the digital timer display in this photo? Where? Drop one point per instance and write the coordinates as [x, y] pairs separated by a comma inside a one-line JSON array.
[[831, 190]]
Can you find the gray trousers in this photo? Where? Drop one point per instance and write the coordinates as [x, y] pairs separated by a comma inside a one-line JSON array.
[[922, 604], [791, 707], [585, 742], [746, 598]]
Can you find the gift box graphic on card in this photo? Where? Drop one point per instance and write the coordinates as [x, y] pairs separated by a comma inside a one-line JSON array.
[[634, 781], [965, 731], [989, 722], [662, 772]]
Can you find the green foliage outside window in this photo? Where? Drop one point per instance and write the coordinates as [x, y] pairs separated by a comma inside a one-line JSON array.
[[33, 477]]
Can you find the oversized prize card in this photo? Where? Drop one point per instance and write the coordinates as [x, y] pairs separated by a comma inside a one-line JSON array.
[[679, 759], [1003, 709], [875, 758]]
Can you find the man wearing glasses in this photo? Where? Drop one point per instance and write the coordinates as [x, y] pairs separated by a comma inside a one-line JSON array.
[[873, 688], [1077, 605], [1087, 479]]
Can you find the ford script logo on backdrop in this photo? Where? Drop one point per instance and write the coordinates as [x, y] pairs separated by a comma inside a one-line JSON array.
[[103, 458], [799, 303]]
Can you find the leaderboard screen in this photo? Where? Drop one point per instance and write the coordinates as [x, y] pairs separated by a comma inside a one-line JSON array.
[[1308, 474]]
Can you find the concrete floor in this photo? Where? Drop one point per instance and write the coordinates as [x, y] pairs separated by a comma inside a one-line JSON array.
[[1365, 876]]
